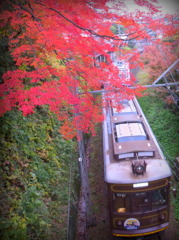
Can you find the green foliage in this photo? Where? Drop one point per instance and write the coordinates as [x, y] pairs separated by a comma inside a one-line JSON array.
[[142, 77], [164, 123], [175, 202], [34, 176], [6, 61], [117, 29]]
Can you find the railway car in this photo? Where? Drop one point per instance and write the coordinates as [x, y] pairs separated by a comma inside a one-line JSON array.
[[136, 172]]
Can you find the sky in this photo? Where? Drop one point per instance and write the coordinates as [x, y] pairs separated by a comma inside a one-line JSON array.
[[170, 6], [167, 6]]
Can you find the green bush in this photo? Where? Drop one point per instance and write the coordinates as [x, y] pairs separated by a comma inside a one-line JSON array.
[[34, 174], [164, 123]]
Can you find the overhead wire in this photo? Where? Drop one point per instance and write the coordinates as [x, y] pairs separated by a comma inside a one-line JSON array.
[[172, 93]]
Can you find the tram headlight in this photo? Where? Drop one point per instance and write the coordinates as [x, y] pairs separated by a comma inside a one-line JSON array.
[[162, 217], [119, 223], [139, 169]]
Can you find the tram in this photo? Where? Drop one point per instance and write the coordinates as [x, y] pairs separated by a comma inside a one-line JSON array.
[[136, 172]]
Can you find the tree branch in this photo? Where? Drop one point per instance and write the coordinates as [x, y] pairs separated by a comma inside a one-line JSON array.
[[75, 24], [27, 10], [86, 29]]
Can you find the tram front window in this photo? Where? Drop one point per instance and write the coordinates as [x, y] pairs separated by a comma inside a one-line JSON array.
[[146, 201], [141, 202], [159, 198], [121, 202]]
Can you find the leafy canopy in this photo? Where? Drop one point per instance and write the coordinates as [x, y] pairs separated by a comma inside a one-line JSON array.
[[55, 44]]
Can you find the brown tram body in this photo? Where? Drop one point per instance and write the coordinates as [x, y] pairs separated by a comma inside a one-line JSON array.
[[136, 173]]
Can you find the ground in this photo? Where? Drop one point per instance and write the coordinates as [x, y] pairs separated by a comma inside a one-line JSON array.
[[173, 232], [98, 190]]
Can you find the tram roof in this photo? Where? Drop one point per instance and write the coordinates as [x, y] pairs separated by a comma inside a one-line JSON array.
[[121, 172], [130, 142]]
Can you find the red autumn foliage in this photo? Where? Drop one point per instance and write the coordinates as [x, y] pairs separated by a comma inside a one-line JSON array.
[[54, 44], [157, 59]]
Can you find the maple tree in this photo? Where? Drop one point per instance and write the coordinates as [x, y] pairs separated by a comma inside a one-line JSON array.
[[165, 56], [157, 58], [55, 45]]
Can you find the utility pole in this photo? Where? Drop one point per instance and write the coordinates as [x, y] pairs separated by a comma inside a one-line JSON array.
[[164, 73]]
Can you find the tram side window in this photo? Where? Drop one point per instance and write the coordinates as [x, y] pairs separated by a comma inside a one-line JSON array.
[[159, 198], [121, 202]]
